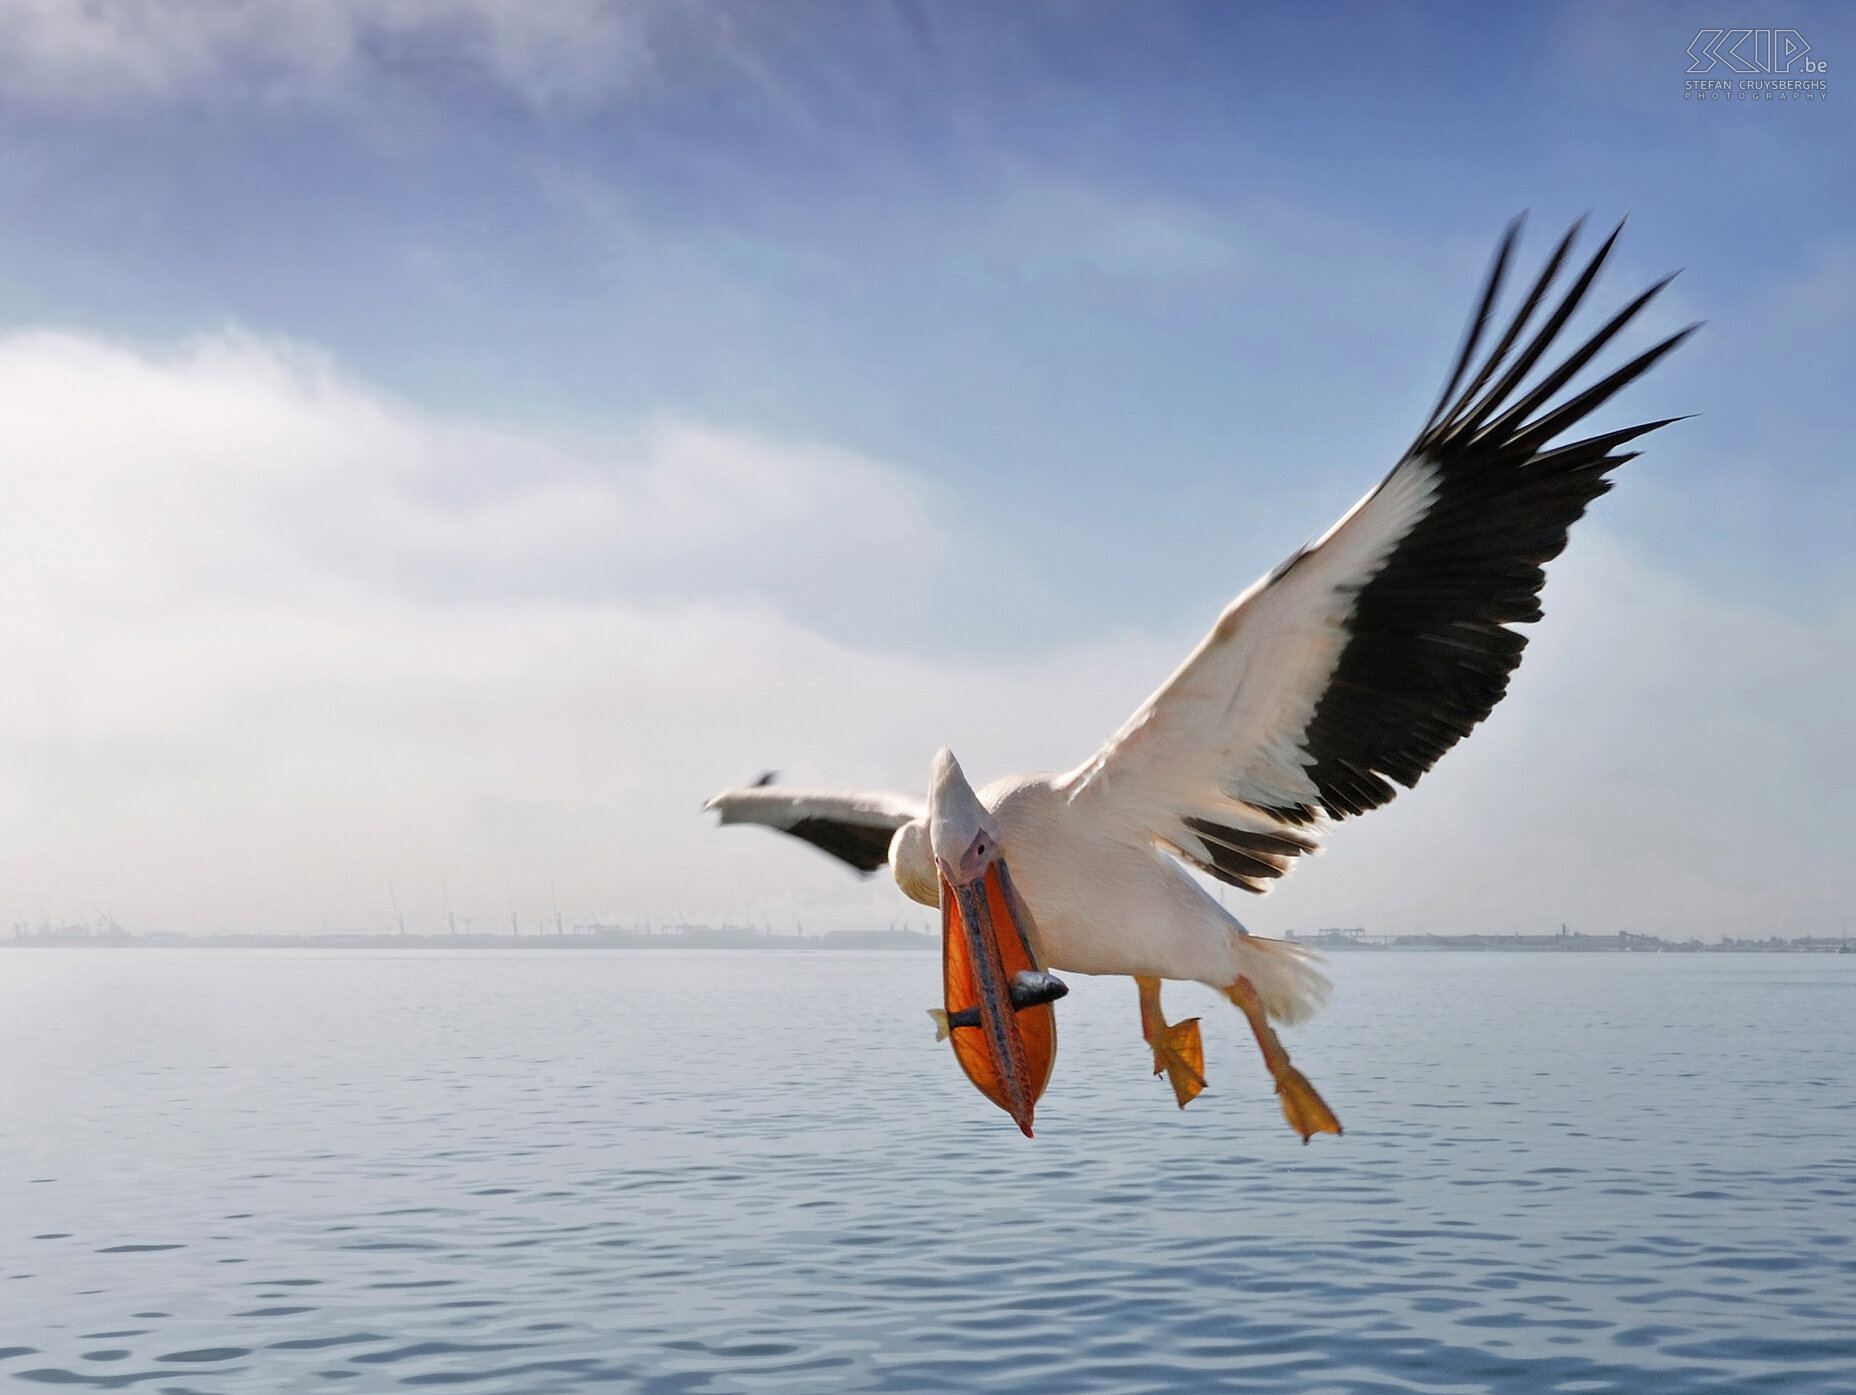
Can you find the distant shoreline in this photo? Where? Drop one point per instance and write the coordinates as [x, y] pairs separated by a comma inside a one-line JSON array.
[[694, 937], [1622, 943], [726, 937]]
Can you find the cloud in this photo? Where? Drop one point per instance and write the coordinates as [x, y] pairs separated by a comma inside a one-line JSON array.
[[564, 53], [160, 501], [262, 622], [276, 643]]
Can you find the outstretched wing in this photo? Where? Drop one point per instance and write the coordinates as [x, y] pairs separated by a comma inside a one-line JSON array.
[[853, 826], [1356, 664]]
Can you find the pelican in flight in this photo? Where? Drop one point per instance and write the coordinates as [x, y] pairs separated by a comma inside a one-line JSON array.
[[1344, 673]]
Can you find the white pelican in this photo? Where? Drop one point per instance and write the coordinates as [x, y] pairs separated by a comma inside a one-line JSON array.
[[1349, 669]]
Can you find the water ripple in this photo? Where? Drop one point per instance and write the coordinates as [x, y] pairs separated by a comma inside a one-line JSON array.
[[489, 1171]]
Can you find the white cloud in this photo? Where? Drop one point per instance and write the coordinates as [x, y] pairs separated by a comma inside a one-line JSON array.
[[162, 504], [562, 53], [261, 622], [273, 642]]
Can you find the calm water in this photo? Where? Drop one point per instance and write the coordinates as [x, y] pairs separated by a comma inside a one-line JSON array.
[[282, 1171]]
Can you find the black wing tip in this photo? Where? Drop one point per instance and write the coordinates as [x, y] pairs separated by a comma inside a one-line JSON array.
[[1512, 233], [1505, 410], [1432, 642], [1644, 428], [1535, 434], [1492, 281], [766, 779], [1468, 409]]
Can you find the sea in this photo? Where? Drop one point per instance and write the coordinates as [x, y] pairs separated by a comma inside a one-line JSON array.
[[756, 1171]]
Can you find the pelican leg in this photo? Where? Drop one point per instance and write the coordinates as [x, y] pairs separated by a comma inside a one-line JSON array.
[[1305, 1110], [1177, 1049]]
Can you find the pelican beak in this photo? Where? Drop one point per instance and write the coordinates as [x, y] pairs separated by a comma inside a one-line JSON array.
[[998, 1013]]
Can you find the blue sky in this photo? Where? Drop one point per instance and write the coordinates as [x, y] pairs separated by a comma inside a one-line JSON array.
[[952, 338]]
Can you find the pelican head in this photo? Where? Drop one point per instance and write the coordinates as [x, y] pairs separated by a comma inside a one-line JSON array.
[[992, 975], [963, 835]]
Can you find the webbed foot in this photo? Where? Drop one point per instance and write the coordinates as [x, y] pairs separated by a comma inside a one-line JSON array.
[[1307, 1113], [1178, 1052]]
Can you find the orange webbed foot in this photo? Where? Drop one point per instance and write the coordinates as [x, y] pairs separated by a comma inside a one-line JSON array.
[[1307, 1113], [1182, 1057], [1179, 1054]]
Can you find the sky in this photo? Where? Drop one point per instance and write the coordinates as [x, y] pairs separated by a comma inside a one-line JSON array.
[[443, 441]]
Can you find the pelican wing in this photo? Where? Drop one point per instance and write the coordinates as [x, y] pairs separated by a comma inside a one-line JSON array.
[[853, 826], [1358, 662]]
